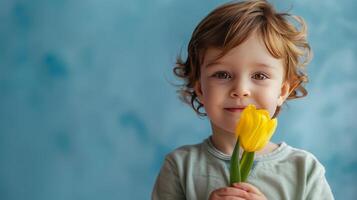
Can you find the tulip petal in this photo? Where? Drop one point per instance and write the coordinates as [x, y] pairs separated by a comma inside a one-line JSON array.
[[255, 128]]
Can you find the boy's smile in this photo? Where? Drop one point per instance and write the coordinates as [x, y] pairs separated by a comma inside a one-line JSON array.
[[247, 74]]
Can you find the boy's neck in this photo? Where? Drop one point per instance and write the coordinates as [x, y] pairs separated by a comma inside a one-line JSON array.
[[225, 142]]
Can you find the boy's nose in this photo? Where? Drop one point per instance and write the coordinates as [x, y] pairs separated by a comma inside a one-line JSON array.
[[240, 91]]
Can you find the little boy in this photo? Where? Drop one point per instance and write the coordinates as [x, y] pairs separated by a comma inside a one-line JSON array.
[[242, 53]]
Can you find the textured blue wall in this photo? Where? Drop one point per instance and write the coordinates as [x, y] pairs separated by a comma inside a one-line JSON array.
[[87, 110]]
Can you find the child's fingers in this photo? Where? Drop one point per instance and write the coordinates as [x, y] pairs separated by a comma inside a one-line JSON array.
[[247, 187], [232, 192]]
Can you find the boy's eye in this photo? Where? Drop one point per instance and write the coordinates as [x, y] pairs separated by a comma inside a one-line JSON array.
[[222, 75], [260, 76]]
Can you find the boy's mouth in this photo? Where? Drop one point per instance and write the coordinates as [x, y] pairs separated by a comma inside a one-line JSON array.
[[235, 109]]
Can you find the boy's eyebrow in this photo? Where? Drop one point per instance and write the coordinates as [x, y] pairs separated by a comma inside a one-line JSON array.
[[264, 65], [211, 64]]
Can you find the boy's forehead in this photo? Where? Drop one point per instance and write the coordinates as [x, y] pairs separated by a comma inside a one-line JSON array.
[[250, 51], [213, 56]]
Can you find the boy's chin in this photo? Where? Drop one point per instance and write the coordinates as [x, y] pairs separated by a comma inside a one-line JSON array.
[[223, 130]]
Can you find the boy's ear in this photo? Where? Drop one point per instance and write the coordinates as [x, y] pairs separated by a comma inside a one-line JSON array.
[[198, 91], [284, 93]]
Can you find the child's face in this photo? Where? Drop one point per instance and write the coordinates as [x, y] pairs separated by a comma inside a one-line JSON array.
[[247, 74]]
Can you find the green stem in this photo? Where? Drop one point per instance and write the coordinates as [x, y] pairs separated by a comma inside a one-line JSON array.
[[235, 176], [246, 164]]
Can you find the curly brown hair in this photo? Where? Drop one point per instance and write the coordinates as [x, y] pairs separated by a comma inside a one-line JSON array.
[[229, 25]]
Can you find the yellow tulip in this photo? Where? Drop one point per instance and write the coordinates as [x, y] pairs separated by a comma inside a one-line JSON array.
[[255, 128], [253, 131]]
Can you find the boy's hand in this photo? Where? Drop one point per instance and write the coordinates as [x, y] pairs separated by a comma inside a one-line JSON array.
[[238, 191]]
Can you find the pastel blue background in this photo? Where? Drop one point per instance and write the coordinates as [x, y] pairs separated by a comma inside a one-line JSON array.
[[87, 109]]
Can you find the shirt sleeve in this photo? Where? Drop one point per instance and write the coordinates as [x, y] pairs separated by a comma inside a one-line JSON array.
[[317, 185], [168, 186]]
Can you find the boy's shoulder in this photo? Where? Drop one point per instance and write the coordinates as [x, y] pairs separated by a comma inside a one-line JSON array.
[[185, 151], [188, 155], [301, 153], [288, 156], [302, 158]]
